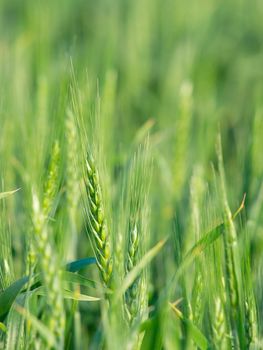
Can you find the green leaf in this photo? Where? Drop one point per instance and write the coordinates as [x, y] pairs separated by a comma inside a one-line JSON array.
[[79, 279], [3, 327], [77, 265], [8, 296], [7, 194], [198, 248], [14, 336], [205, 241], [133, 274], [153, 336], [67, 294], [71, 267], [210, 237], [197, 336]]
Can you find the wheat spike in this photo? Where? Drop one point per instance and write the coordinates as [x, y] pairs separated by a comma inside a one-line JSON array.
[[97, 223]]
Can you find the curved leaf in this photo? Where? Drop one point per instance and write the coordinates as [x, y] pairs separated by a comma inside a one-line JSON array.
[[8, 296], [3, 327], [67, 294], [197, 336], [77, 265], [132, 275], [79, 279]]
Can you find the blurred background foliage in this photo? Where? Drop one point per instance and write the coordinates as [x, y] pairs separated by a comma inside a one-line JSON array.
[[182, 70]]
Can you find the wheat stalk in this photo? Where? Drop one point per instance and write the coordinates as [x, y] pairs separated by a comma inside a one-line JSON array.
[[73, 175], [43, 248], [6, 266], [51, 275], [230, 250], [182, 131], [72, 183]]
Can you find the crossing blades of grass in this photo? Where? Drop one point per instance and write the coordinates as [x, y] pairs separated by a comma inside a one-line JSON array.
[[197, 336], [132, 275], [8, 296], [38, 325]]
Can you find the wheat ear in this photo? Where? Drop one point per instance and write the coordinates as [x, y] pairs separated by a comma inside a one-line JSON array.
[[97, 223], [44, 249], [138, 225]]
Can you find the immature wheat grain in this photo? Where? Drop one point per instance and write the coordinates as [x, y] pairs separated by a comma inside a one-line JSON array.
[[219, 325], [136, 295], [132, 300], [248, 325], [97, 223], [198, 296], [52, 180], [251, 321]]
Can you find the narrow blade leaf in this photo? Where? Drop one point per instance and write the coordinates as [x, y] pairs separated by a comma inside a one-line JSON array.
[[7, 194], [8, 296], [133, 274], [77, 265]]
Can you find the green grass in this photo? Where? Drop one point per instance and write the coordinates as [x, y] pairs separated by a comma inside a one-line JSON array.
[[130, 131]]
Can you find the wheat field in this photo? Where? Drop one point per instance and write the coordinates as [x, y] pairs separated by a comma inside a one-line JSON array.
[[131, 174]]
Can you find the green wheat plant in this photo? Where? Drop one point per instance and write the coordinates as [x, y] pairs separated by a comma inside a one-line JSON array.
[[130, 131], [137, 231], [97, 223], [44, 247]]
